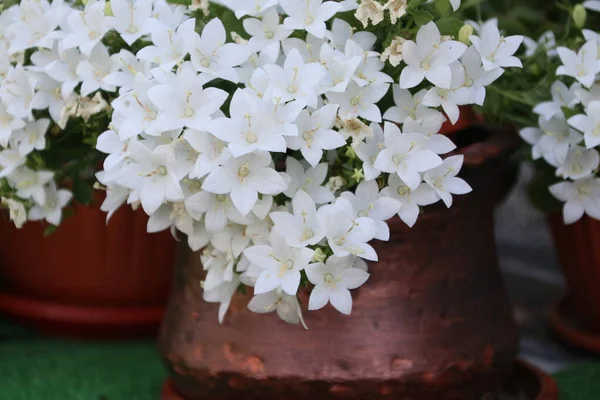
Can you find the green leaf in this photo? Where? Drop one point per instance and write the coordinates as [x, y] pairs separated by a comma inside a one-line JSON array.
[[443, 7], [83, 192], [449, 26], [50, 229], [421, 17]]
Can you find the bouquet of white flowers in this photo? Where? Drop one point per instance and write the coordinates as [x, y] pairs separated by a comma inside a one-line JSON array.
[[568, 132], [278, 135]]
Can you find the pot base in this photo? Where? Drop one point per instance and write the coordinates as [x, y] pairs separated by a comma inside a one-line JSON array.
[[82, 322], [565, 324], [529, 383]]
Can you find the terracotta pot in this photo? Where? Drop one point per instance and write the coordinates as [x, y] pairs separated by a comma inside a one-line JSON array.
[[578, 250], [433, 321], [87, 277]]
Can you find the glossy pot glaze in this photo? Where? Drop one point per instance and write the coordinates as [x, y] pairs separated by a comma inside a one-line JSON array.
[[432, 322]]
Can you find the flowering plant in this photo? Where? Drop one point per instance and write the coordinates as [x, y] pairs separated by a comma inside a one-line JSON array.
[[565, 102], [279, 135]]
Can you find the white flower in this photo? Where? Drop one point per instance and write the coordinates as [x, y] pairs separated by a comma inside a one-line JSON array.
[[30, 184], [444, 181], [265, 31], [212, 56], [212, 152], [406, 154], [93, 70], [407, 106], [340, 69], [139, 113], [48, 95], [411, 200], [452, 97], [455, 4], [64, 70], [87, 27], [332, 283], [341, 32], [8, 124], [17, 212], [358, 101], [308, 15], [222, 294], [17, 92], [129, 68], [562, 96], [429, 58], [184, 101], [296, 80], [397, 9], [582, 65], [496, 51], [32, 136], [593, 5], [476, 77], [287, 307], [580, 162], [556, 140], [581, 196], [356, 129], [169, 44], [252, 126], [588, 124], [130, 18], [369, 150], [51, 209], [10, 160], [156, 174], [218, 210], [280, 264], [315, 134], [302, 228], [309, 181], [547, 41], [369, 10], [244, 178], [219, 264], [249, 7], [369, 203], [346, 232]]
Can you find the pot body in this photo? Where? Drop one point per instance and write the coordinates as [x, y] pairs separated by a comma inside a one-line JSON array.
[[88, 262], [578, 249], [432, 322]]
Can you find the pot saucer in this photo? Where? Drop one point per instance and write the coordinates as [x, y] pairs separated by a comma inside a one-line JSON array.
[[565, 324], [84, 322], [528, 380]]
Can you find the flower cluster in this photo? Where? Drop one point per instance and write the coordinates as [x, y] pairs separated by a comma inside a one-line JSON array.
[[57, 73], [568, 131], [276, 153]]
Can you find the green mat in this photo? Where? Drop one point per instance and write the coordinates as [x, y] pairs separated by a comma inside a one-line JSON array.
[[33, 368]]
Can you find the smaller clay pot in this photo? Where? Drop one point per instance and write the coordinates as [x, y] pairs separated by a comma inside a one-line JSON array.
[[578, 249], [88, 278]]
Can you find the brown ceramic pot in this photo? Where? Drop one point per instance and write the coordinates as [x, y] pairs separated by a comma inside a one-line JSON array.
[[578, 249], [433, 321], [89, 278]]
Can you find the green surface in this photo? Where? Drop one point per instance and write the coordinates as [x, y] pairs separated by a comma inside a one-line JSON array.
[[580, 382], [33, 368]]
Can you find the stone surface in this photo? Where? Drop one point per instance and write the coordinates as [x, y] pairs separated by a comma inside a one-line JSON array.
[[533, 277]]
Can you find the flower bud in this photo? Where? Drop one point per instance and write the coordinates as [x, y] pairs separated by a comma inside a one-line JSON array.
[[465, 32], [579, 15], [107, 10], [84, 2]]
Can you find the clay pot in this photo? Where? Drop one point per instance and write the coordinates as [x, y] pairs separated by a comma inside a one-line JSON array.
[[578, 250], [87, 278], [433, 321]]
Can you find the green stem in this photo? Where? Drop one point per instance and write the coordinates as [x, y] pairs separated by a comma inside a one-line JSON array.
[[512, 96]]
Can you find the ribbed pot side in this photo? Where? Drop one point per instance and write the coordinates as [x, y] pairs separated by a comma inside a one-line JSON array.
[[432, 322]]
